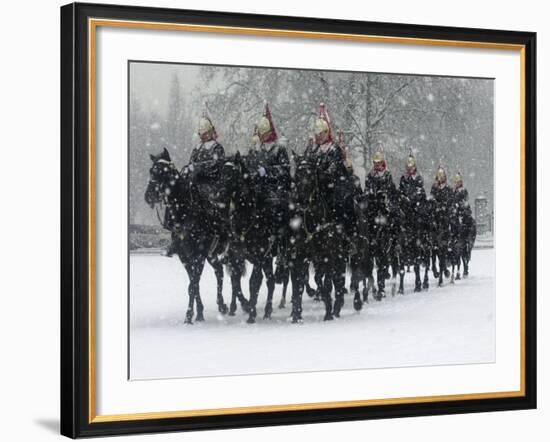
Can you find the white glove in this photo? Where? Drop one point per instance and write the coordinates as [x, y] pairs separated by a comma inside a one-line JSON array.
[[261, 171]]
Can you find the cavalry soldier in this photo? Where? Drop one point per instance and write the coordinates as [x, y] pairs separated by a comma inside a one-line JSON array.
[[381, 194], [461, 193], [442, 197], [270, 167], [204, 172], [463, 223], [412, 196], [334, 175]]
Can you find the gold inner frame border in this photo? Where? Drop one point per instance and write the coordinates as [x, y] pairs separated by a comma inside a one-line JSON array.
[[93, 24]]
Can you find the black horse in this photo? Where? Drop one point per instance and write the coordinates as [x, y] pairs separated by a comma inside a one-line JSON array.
[[463, 238], [360, 260], [413, 242], [250, 238], [440, 229], [327, 242], [194, 240]]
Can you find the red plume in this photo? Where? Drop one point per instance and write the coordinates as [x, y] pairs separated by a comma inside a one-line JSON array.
[[324, 115], [273, 136]]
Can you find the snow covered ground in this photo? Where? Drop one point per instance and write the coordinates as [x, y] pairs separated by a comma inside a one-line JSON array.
[[454, 324]]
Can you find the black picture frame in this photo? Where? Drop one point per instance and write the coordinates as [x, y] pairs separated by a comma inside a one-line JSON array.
[[75, 220]]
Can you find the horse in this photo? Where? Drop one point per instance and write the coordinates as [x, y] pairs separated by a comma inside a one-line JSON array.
[[328, 241], [360, 259], [250, 238], [411, 236], [194, 239], [463, 239], [440, 234]]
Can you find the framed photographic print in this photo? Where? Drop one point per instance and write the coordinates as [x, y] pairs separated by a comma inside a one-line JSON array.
[[275, 220]]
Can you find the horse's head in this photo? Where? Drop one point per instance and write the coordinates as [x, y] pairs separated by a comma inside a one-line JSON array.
[[163, 176]]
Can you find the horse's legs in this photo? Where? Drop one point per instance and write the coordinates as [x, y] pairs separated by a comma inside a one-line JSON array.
[[309, 289], [254, 287], [435, 253], [236, 268], [218, 271], [198, 300], [299, 274], [442, 268], [401, 267], [354, 287], [381, 274], [326, 290], [466, 261], [194, 271], [286, 278], [417, 281], [339, 281], [426, 282], [401, 288], [267, 267], [318, 277]]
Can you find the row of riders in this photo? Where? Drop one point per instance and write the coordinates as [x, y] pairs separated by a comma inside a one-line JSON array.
[[231, 209]]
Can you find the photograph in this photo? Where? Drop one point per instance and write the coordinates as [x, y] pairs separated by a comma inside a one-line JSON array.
[[298, 220]]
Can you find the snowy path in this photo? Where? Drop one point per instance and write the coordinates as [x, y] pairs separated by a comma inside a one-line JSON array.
[[454, 324]]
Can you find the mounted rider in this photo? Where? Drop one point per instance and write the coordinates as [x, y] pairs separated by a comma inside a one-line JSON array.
[[380, 193], [463, 223], [442, 197], [335, 178], [269, 162], [204, 172], [412, 197]]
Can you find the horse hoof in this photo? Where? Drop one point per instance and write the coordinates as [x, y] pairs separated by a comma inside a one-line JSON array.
[[328, 317], [222, 308], [400, 291], [232, 309], [251, 320], [436, 274], [188, 321], [357, 304], [282, 304], [447, 273], [417, 289], [310, 292], [426, 286], [199, 317], [245, 307], [296, 319], [458, 277]]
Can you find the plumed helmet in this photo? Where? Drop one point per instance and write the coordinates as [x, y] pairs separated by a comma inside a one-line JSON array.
[[441, 175], [411, 161], [458, 178], [378, 156], [322, 124], [265, 126], [206, 126]]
